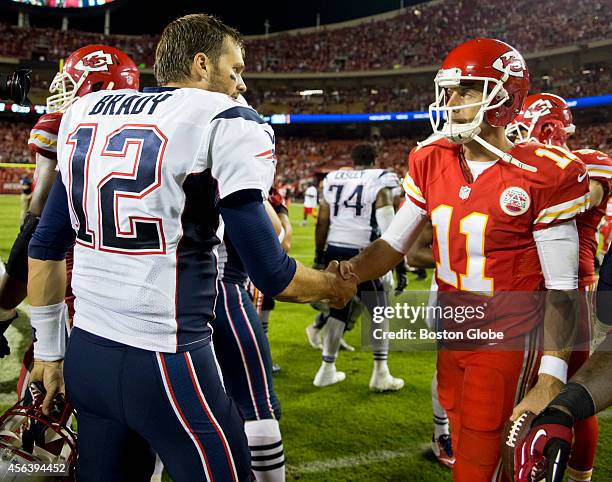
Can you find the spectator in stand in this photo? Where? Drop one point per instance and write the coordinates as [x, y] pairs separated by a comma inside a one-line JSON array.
[[299, 158], [415, 36]]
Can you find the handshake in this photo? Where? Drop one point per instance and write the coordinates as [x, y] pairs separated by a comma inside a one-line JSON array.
[[340, 283]]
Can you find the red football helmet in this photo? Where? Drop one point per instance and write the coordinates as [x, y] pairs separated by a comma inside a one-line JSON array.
[[29, 438], [89, 69], [505, 78], [545, 118]]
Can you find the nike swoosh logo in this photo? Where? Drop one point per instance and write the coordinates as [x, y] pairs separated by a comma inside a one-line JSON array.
[[46, 120], [581, 178]]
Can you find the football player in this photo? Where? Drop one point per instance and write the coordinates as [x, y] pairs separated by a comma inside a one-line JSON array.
[[310, 203], [148, 181], [547, 118], [421, 256], [356, 207], [549, 442], [500, 225], [243, 353], [88, 69], [279, 205]]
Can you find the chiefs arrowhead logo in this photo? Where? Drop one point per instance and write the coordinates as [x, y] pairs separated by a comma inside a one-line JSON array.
[[97, 61], [538, 108], [513, 59]]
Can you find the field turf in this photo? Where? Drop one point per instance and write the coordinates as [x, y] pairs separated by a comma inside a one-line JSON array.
[[339, 433]]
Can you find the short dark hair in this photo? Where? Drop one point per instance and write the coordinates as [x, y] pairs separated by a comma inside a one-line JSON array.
[[364, 154], [186, 36]]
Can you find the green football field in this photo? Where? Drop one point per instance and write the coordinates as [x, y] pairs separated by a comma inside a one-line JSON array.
[[338, 433]]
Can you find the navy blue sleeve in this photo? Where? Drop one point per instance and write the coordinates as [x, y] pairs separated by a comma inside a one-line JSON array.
[[604, 290], [54, 234], [251, 232]]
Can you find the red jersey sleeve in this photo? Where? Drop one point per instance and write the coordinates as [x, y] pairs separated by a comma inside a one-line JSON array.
[[277, 201], [599, 167], [414, 183], [561, 191], [43, 136]]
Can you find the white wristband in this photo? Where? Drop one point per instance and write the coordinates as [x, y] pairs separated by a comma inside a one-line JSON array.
[[49, 327], [281, 235], [553, 366]]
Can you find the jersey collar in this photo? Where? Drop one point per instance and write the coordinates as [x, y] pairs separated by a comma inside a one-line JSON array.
[[158, 89]]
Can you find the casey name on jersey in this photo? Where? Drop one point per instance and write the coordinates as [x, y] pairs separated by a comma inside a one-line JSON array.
[[348, 175], [126, 104]]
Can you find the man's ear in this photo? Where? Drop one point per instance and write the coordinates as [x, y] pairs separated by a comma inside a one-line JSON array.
[[199, 66]]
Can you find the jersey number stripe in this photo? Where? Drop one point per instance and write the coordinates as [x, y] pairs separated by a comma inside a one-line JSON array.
[[562, 157], [144, 234], [473, 226]]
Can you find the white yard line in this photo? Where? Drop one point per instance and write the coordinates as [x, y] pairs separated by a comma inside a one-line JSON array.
[[364, 458]]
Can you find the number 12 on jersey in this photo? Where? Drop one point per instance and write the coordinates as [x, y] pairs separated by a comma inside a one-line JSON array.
[[140, 177], [473, 227]]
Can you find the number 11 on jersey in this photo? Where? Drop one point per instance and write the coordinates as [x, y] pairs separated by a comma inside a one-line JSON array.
[[473, 227]]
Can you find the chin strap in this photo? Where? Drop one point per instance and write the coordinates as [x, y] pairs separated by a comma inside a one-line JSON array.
[[430, 140], [504, 156]]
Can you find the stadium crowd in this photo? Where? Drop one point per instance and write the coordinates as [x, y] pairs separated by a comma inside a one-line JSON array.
[[14, 142], [299, 158], [418, 36], [407, 97]]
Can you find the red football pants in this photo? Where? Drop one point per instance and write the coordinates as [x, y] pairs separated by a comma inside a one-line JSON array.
[[478, 390]]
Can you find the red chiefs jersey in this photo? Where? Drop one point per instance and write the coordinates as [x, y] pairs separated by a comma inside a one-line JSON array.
[[599, 167], [43, 136], [483, 229]]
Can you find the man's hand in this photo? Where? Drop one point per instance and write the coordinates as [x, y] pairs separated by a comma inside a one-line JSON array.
[[343, 286], [547, 388], [9, 316], [401, 271], [546, 446], [52, 376]]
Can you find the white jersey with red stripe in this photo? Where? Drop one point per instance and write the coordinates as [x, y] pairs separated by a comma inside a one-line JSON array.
[[351, 195], [144, 173]]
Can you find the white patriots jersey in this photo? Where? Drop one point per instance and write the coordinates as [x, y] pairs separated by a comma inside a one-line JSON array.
[[143, 173], [351, 195], [310, 197]]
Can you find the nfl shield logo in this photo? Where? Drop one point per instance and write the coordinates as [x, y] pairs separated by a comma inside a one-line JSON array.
[[464, 192]]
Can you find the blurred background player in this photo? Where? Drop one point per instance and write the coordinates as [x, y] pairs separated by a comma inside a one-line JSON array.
[[356, 207], [421, 257], [279, 204], [547, 118], [88, 69], [474, 184], [311, 203], [27, 186]]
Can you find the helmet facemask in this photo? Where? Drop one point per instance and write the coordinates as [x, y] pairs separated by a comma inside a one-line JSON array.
[[518, 132], [493, 96], [66, 90]]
